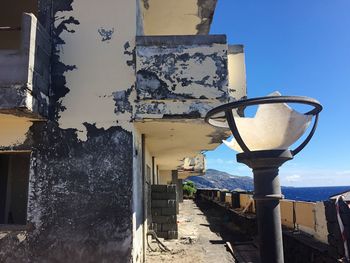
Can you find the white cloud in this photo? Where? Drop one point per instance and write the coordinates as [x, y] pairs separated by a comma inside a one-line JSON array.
[[345, 172], [293, 178], [220, 161], [313, 177]]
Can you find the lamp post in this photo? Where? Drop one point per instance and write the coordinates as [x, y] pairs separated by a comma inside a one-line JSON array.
[[263, 143]]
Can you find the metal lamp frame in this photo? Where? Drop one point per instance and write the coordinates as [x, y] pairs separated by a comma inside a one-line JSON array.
[[242, 104]]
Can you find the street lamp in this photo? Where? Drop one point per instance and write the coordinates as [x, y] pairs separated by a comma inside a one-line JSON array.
[[262, 143]]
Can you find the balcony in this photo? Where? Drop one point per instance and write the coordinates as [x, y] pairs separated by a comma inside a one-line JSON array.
[[25, 70], [192, 166], [180, 78]]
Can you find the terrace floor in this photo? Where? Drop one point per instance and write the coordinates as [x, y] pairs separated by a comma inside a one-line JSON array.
[[204, 236]]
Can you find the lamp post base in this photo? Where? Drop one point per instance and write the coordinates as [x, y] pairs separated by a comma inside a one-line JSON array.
[[267, 193]]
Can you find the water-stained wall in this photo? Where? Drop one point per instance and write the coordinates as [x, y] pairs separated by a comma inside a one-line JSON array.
[[79, 197], [81, 173]]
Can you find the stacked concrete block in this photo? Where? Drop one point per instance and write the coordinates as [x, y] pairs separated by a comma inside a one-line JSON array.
[[164, 219]]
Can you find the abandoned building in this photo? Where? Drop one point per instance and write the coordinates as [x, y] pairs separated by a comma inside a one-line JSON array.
[[101, 101]]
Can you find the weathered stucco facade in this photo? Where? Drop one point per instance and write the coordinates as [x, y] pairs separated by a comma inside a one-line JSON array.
[[104, 111]]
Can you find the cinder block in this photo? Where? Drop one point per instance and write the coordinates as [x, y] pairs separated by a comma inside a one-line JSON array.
[[169, 211], [159, 203], [156, 227], [159, 188], [162, 234], [171, 188], [163, 203], [164, 219], [169, 227], [156, 211], [164, 196], [173, 235]]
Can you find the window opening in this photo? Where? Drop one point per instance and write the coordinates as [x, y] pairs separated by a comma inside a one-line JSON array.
[[14, 181]]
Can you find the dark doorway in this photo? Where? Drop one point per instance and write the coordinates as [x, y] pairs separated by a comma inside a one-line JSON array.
[[14, 180]]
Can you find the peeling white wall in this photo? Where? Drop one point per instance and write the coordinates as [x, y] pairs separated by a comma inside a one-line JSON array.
[[101, 67], [195, 69], [237, 84]]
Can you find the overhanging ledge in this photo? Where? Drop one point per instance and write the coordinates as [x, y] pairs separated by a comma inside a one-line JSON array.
[[180, 40]]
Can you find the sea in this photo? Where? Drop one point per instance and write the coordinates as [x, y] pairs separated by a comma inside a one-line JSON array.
[[312, 194]]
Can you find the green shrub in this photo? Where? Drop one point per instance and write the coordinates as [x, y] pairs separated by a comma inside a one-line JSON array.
[[189, 189]]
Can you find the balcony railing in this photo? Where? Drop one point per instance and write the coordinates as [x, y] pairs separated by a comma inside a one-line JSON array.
[[25, 72]]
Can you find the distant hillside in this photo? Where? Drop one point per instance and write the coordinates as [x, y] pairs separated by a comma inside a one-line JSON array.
[[217, 179]]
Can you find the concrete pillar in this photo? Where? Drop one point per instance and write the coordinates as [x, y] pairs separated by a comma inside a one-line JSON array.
[[179, 186], [174, 180]]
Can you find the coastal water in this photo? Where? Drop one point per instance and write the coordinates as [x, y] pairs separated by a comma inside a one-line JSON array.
[[312, 193]]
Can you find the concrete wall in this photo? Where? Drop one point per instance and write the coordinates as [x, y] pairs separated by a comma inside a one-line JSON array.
[[192, 166], [237, 84], [321, 222], [246, 200], [305, 216], [25, 73], [180, 75], [152, 163], [73, 211], [165, 177], [88, 166], [298, 246], [81, 185], [13, 130], [101, 74], [287, 213], [172, 17], [246, 223], [228, 198]]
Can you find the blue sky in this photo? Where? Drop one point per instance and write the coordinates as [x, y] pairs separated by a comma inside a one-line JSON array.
[[298, 47]]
